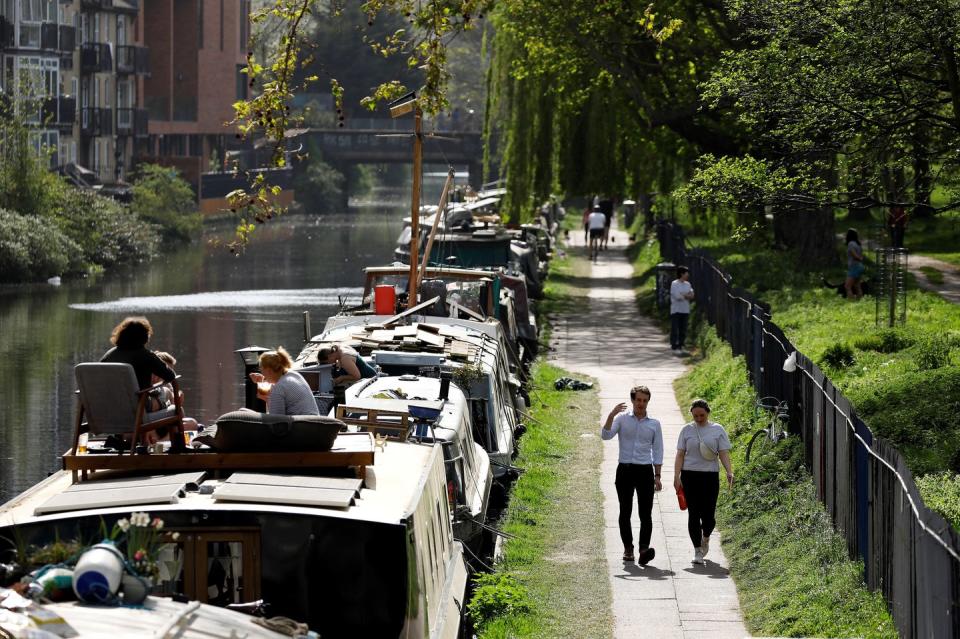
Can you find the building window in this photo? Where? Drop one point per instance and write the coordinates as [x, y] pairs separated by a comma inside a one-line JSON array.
[[200, 24], [244, 24], [221, 25], [196, 146], [46, 143], [121, 30], [241, 82]]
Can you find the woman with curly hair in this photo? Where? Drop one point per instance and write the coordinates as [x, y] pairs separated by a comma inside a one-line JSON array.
[[129, 339]]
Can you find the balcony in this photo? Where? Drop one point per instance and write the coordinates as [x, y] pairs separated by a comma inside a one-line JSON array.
[[6, 33], [96, 121], [68, 38], [132, 59], [95, 58], [60, 111], [120, 6], [132, 122]]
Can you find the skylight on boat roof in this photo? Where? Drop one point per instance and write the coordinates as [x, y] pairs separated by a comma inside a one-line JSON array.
[[110, 498], [290, 495]]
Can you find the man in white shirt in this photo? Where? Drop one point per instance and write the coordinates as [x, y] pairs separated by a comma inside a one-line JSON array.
[[641, 457], [596, 222], [681, 292]]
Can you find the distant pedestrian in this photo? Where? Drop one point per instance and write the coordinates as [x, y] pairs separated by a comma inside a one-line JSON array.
[[681, 293], [638, 471], [596, 223], [606, 207], [701, 444], [855, 266], [897, 220]]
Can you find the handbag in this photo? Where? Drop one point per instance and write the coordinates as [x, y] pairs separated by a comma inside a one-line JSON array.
[[705, 451]]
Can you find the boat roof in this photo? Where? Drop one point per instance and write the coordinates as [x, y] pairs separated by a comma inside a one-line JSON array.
[[388, 494], [419, 391], [157, 617], [432, 271]]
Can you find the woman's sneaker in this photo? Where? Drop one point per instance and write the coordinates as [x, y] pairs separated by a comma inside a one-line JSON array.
[[705, 545], [698, 557]]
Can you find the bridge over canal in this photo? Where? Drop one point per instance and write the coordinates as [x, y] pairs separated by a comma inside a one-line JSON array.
[[383, 145]]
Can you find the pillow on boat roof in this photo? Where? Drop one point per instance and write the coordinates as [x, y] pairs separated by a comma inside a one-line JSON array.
[[249, 431]]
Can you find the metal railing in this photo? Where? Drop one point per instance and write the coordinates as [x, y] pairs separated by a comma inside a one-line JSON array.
[[910, 553]]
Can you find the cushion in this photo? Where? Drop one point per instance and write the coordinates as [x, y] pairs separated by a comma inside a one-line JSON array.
[[245, 430]]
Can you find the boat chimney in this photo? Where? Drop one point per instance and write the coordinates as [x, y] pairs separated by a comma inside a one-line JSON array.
[[444, 386]]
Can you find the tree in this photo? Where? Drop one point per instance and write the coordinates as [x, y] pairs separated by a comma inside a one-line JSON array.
[[430, 25], [162, 197]]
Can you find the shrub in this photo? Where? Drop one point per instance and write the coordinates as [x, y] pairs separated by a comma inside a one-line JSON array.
[[107, 232], [496, 594], [886, 341], [318, 185], [941, 492], [162, 197], [932, 353], [33, 252], [838, 355]]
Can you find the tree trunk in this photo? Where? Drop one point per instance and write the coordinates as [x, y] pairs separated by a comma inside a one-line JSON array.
[[810, 232]]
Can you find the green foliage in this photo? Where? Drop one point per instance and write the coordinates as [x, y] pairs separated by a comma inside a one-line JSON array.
[[497, 595], [32, 252], [885, 341], [838, 355], [932, 352], [934, 276], [318, 185], [107, 232], [163, 198], [941, 492], [793, 574], [26, 184]]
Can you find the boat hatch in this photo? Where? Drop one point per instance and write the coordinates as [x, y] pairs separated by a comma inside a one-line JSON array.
[[288, 493], [111, 497], [189, 481], [336, 483], [386, 358]]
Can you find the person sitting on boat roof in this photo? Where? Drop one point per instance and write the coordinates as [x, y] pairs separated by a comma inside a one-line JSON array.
[[285, 391], [352, 367], [129, 339]]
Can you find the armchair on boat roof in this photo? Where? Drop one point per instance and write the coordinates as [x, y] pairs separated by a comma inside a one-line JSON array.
[[110, 402]]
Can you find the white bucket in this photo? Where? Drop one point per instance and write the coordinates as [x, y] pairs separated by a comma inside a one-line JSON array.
[[96, 578]]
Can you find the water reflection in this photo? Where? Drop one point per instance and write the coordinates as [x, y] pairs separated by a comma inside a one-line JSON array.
[[203, 303]]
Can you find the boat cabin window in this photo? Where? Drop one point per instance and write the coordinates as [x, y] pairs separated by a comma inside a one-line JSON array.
[[214, 566]]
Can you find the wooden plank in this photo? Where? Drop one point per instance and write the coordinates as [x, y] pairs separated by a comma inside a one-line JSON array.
[[437, 341], [430, 328], [466, 311], [381, 335], [406, 331], [349, 449], [411, 311], [459, 350]]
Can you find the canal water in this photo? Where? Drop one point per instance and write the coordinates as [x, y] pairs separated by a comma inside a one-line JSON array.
[[203, 303]]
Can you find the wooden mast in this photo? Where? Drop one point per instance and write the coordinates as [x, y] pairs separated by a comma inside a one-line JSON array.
[[415, 206]]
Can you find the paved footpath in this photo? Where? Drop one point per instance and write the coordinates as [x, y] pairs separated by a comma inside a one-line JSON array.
[[949, 289], [670, 598]]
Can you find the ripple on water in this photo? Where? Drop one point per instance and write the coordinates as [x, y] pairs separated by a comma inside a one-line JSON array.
[[226, 300]]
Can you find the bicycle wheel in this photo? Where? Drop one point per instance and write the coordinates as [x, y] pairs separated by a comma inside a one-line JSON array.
[[760, 433]]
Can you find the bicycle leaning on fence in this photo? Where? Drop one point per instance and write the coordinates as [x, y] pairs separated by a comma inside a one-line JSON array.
[[766, 438]]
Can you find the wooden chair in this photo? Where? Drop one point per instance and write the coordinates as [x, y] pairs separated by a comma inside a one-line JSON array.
[[111, 403]]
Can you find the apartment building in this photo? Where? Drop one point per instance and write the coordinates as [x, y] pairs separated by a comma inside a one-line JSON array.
[[75, 70], [197, 51], [37, 45]]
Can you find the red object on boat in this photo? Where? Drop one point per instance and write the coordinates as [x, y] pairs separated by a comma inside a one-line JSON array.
[[681, 498], [384, 299]]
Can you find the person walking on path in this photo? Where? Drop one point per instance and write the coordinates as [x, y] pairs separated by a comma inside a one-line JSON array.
[[855, 266], [681, 293], [897, 220], [700, 445], [638, 471]]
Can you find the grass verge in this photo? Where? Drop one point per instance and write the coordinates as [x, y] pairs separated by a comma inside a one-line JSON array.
[[933, 275], [792, 572], [553, 572]]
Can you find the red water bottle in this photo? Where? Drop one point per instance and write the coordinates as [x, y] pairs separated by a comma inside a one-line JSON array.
[[681, 498]]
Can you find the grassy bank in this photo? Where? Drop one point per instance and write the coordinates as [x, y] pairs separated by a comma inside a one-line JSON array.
[[901, 381], [791, 569], [553, 572]]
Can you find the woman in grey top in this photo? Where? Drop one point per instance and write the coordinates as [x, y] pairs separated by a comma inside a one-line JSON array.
[[284, 390], [701, 444]]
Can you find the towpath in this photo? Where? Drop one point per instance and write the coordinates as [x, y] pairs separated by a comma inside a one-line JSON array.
[[670, 598], [949, 288]]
